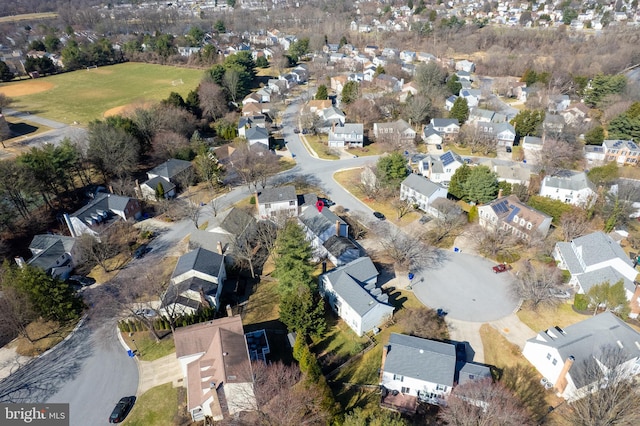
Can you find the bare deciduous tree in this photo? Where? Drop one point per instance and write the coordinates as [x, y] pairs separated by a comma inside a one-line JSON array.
[[477, 140], [613, 399], [483, 403], [537, 284], [448, 224], [213, 100], [167, 144], [574, 224], [494, 243], [113, 240], [17, 311], [423, 322], [558, 154], [407, 251]]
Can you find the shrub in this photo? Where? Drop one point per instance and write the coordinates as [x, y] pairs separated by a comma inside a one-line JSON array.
[[473, 214], [580, 302], [252, 200]]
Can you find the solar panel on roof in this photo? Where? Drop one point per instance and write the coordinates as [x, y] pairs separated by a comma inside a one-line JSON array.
[[447, 158], [513, 214]]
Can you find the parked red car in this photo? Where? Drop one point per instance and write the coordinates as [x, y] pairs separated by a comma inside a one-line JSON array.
[[502, 267]]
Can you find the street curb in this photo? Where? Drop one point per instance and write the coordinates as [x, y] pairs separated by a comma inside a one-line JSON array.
[[82, 320], [135, 358]]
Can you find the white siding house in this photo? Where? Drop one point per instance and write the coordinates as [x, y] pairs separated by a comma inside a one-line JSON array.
[[440, 168], [351, 291], [570, 187], [563, 355], [346, 136], [422, 191], [281, 200]]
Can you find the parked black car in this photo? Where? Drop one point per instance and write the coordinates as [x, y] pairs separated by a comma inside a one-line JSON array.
[[379, 215], [141, 251], [327, 202], [121, 409]]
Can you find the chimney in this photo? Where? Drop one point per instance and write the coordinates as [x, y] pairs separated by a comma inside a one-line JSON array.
[[385, 351], [229, 311], [337, 228], [219, 247], [20, 261], [500, 193], [561, 383]]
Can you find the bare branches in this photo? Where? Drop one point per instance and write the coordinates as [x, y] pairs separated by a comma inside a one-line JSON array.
[[537, 284], [494, 243], [407, 251], [574, 224]]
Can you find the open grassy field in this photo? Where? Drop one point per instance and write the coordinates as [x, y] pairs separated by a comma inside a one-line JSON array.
[[86, 95], [29, 17]]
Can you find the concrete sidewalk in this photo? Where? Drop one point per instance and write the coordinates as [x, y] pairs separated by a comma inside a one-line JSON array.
[[514, 330]]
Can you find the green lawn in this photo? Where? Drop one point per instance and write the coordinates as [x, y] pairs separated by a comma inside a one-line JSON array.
[[84, 96], [318, 143], [263, 304], [339, 342], [156, 407], [546, 317], [371, 149], [148, 348]]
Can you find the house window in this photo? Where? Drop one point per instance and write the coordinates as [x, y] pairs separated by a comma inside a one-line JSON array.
[[521, 222], [398, 377], [442, 388], [515, 218], [292, 203], [548, 356], [554, 362], [405, 390], [267, 206], [529, 225]]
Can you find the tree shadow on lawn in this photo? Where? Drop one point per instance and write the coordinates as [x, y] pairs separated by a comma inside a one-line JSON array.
[[279, 347]]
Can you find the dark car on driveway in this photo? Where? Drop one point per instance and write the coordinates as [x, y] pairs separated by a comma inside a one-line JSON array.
[[327, 202], [121, 409], [379, 215], [141, 251]]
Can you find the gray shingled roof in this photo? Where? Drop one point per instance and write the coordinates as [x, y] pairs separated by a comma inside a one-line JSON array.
[[102, 202], [201, 260], [337, 246], [354, 294], [573, 182], [237, 221], [421, 184], [44, 241], [361, 269], [256, 133], [153, 184], [170, 168], [570, 258], [46, 258], [319, 222], [598, 247], [278, 194], [588, 339], [470, 372], [421, 359], [174, 292], [444, 122], [599, 276]]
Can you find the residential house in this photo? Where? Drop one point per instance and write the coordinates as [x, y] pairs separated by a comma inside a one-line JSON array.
[[253, 108], [569, 187], [277, 85], [594, 259], [301, 72], [508, 171], [171, 170], [328, 235], [440, 168], [449, 102], [558, 103], [351, 291], [248, 122], [532, 143], [315, 106], [196, 283], [415, 369], [347, 135], [565, 356], [622, 152], [398, 130], [510, 214], [503, 133], [447, 127], [431, 136], [57, 255], [331, 116], [257, 135], [553, 124], [465, 65], [216, 366], [576, 114], [102, 211], [252, 98], [388, 82], [421, 191], [425, 57], [473, 96], [338, 82], [150, 189], [481, 115], [278, 201]]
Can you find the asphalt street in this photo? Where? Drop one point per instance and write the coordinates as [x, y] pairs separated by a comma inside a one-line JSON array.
[[465, 286]]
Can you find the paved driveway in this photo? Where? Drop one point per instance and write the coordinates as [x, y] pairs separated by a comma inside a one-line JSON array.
[[465, 286]]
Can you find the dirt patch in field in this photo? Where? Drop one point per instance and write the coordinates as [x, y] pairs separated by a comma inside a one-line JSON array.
[[126, 109], [28, 87]]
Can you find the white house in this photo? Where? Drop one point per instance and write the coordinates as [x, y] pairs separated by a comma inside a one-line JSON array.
[[473, 96], [423, 369], [594, 259], [510, 214], [346, 136], [465, 65], [319, 226], [504, 133], [257, 135], [351, 291], [431, 136], [249, 122], [196, 282], [421, 191], [601, 342], [216, 366], [398, 130], [102, 211], [281, 200], [57, 255], [447, 127], [440, 168], [569, 187]]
